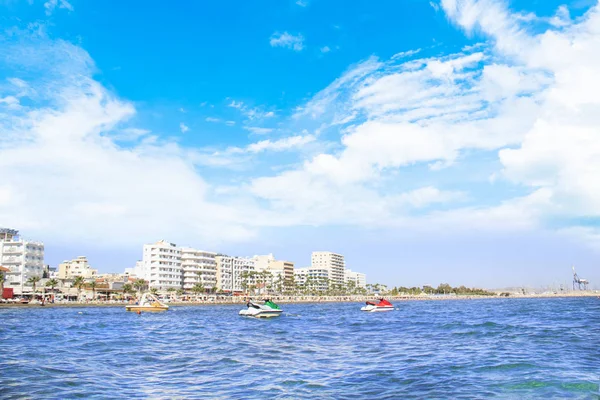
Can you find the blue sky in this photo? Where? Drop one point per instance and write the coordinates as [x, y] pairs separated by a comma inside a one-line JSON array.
[[428, 141]]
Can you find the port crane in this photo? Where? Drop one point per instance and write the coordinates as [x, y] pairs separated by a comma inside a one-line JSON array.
[[579, 281]]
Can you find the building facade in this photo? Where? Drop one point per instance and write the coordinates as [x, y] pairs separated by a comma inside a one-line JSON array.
[[161, 265], [77, 267], [199, 267], [359, 279], [282, 272], [332, 262], [23, 258], [233, 273]]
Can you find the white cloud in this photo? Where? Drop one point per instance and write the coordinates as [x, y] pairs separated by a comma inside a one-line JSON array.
[[281, 144], [302, 3], [257, 130], [325, 49], [406, 54], [251, 112], [524, 105], [293, 42], [51, 5], [63, 168], [532, 98], [183, 127]]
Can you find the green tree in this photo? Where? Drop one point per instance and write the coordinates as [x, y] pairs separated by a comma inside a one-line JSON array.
[[198, 288], [154, 291], [2, 280], [92, 285], [139, 285], [79, 282], [443, 288], [128, 288], [33, 281], [180, 292], [52, 283]]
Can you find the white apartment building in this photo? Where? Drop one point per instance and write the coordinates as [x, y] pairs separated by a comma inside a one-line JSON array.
[[77, 267], [359, 279], [230, 273], [281, 271], [300, 275], [332, 262], [316, 277], [24, 259], [161, 265], [198, 266]]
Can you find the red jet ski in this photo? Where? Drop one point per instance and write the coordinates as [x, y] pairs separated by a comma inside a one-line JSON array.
[[382, 305]]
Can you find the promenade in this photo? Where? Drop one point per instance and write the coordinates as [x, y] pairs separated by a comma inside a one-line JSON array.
[[225, 300]]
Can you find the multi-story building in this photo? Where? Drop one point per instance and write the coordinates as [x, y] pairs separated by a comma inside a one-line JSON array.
[[281, 271], [161, 265], [233, 273], [300, 275], [314, 278], [359, 279], [332, 262], [77, 267], [23, 258], [198, 266]]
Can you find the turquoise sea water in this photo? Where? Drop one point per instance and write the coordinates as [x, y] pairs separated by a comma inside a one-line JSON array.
[[497, 348]]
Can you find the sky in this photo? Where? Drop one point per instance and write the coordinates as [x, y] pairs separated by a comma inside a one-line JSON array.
[[452, 141]]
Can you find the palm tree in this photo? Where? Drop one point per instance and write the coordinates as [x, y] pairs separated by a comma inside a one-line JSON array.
[[52, 283], [128, 288], [198, 288], [93, 285], [179, 292], [139, 285], [2, 280], [79, 282], [154, 291], [33, 280]]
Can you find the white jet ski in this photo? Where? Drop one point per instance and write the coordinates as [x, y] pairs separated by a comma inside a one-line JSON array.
[[267, 310], [383, 305]]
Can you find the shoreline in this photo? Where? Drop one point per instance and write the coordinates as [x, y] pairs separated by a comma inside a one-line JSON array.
[[305, 300]]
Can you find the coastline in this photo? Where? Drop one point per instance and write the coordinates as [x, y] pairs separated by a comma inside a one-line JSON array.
[[305, 300]]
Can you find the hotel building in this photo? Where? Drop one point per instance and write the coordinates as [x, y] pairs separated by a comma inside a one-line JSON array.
[[198, 266], [23, 259]]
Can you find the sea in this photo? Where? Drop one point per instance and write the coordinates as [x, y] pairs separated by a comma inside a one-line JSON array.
[[462, 349]]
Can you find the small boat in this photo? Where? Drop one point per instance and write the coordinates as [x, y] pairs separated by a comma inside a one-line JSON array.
[[148, 302], [383, 305], [267, 310]]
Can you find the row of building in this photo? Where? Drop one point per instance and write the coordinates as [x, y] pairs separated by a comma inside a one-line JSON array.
[[165, 265]]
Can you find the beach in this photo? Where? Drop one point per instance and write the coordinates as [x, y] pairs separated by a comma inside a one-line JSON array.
[[224, 300]]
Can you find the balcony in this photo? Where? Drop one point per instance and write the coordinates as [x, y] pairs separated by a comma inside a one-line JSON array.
[[13, 250], [12, 260]]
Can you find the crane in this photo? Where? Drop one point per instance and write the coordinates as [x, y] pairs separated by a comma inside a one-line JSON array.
[[579, 281]]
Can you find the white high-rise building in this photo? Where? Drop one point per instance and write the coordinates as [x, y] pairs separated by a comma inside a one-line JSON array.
[[198, 267], [282, 272], [230, 273], [331, 262], [161, 265], [76, 267], [23, 258], [359, 279], [315, 278]]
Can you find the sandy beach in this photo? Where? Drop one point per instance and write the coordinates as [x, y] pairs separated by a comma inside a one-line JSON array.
[[305, 299]]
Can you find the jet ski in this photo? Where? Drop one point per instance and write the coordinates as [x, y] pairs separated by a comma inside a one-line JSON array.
[[383, 305], [267, 310]]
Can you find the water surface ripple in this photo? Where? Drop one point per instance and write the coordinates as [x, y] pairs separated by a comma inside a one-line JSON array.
[[496, 348]]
